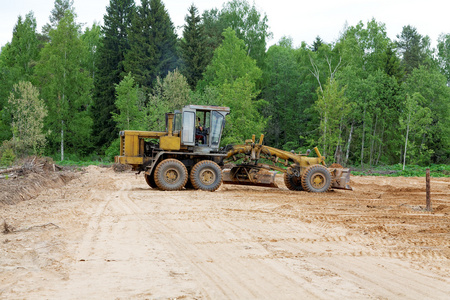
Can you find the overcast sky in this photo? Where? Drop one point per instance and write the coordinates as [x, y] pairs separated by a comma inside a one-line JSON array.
[[301, 20]]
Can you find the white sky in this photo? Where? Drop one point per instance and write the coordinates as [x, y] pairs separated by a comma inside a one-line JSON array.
[[301, 20]]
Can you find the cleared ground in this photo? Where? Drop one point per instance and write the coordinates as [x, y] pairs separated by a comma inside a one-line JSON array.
[[107, 235]]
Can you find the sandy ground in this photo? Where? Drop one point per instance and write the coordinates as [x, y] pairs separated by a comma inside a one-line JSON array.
[[107, 235]]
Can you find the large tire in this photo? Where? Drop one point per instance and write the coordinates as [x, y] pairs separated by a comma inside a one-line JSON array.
[[206, 175], [293, 182], [170, 175], [150, 179], [316, 179]]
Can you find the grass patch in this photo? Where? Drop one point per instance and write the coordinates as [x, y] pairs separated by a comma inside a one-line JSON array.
[[397, 170]]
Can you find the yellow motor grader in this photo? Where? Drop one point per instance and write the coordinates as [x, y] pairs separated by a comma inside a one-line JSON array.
[[187, 155]]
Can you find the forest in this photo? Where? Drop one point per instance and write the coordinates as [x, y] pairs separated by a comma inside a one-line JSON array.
[[365, 100]]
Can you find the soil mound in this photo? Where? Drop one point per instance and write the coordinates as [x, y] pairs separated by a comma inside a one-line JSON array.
[[26, 181]]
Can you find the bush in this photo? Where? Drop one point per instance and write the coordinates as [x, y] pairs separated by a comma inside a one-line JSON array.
[[112, 150], [7, 157]]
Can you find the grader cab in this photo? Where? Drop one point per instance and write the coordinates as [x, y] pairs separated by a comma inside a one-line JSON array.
[[185, 154]]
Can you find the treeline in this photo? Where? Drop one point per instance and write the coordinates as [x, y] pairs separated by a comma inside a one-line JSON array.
[[364, 100]]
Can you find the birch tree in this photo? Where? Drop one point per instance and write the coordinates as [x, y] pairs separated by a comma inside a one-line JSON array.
[[66, 88], [414, 121]]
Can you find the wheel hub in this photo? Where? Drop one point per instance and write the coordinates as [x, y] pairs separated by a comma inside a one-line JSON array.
[[207, 176], [171, 176], [318, 180]]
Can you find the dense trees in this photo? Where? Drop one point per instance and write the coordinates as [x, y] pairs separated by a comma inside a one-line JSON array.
[[234, 74], [66, 88], [111, 56], [364, 100]]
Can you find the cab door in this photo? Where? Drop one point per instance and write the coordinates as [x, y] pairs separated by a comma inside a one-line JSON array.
[[188, 127]]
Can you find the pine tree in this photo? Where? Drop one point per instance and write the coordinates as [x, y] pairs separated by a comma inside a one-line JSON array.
[[110, 68], [57, 13], [140, 60], [413, 47], [164, 39], [194, 48]]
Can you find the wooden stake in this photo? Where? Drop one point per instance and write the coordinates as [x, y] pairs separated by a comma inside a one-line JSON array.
[[428, 191]]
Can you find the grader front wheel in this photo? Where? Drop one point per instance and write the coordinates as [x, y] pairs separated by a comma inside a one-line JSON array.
[[316, 179]]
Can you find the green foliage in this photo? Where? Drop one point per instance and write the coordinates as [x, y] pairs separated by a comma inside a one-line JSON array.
[[113, 150], [164, 39], [364, 99], [209, 96], [333, 109], [415, 120], [230, 62], [213, 27], [414, 48], [57, 13], [66, 87], [444, 55], [245, 120], [111, 56], [250, 26], [129, 104], [92, 39], [234, 75], [28, 113], [141, 58], [436, 170], [7, 156], [169, 94], [194, 50], [17, 61], [281, 90], [432, 86]]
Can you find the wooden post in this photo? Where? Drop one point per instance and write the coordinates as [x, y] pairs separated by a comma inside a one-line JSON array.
[[428, 191]]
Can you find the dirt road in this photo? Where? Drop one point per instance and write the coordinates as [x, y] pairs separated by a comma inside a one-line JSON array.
[[107, 235]]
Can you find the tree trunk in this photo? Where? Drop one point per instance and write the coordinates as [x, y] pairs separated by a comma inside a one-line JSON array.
[[363, 137], [380, 150], [348, 143], [373, 141], [62, 140], [406, 140], [338, 152]]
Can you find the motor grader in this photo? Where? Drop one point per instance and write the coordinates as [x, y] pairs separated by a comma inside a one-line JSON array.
[[187, 155]]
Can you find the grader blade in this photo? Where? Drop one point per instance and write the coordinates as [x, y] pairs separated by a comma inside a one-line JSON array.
[[341, 178], [249, 175]]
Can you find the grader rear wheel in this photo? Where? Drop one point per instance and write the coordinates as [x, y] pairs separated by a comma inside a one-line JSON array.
[[206, 175], [170, 175], [316, 179]]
